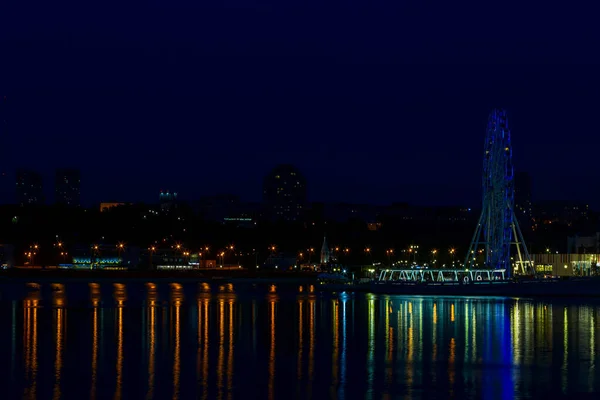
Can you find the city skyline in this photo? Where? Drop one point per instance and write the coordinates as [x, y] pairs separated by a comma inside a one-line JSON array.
[[49, 192], [374, 112], [327, 179]]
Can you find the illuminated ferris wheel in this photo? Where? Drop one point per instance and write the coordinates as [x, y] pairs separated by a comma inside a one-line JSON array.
[[498, 229]]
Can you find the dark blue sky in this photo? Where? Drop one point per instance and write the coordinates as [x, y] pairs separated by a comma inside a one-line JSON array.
[[374, 101]]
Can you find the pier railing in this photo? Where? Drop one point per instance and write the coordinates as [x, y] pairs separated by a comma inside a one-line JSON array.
[[441, 275]]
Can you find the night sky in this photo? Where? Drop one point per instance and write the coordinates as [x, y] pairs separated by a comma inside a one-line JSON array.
[[373, 101]]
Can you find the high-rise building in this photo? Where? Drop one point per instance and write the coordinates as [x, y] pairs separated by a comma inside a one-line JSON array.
[[30, 189], [67, 187], [522, 185], [168, 200], [285, 193]]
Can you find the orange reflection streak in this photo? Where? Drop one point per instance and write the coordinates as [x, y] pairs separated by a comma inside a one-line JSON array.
[[311, 288], [58, 295], [451, 359], [205, 354], [300, 339], [592, 327], [95, 294], [34, 366], [336, 347], [152, 344], [221, 356], [176, 293], [311, 344], [230, 353], [452, 312], [199, 347], [34, 345], [94, 353], [59, 322], [565, 364], [271, 385], [119, 362], [26, 339], [95, 299], [120, 296], [30, 345], [177, 351]]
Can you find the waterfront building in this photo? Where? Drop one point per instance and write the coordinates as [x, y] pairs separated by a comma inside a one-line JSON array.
[[560, 264], [284, 192], [168, 200], [29, 185], [103, 256], [67, 187]]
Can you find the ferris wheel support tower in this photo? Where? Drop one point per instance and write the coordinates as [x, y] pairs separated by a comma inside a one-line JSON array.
[[497, 230]]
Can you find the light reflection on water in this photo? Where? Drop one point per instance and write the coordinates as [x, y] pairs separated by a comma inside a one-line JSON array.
[[226, 341]]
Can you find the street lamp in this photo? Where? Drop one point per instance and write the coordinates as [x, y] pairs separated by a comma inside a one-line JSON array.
[[120, 248], [32, 253], [151, 251], [389, 253]]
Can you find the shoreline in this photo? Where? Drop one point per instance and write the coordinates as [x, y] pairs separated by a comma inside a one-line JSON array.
[[581, 288], [156, 277], [574, 288]]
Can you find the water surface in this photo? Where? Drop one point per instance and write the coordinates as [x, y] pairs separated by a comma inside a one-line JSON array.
[[171, 341]]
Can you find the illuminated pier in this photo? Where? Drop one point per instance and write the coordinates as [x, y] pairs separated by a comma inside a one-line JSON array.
[[442, 275]]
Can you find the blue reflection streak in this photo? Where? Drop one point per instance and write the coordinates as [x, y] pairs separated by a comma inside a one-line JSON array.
[[342, 388], [506, 350]]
